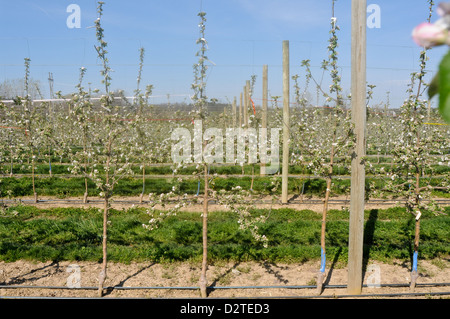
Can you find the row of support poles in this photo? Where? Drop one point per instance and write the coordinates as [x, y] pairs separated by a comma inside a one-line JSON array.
[[358, 100], [358, 91], [244, 104], [238, 114]]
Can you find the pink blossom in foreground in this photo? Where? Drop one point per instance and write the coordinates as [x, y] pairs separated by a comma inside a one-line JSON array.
[[429, 35], [443, 9]]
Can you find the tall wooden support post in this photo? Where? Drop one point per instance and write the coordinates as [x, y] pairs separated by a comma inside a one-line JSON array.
[[240, 111], [358, 90], [225, 124], [234, 112], [249, 102], [245, 109], [50, 105], [265, 97], [285, 167]]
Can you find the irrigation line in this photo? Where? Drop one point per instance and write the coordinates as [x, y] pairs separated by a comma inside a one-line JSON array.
[[400, 294], [410, 294], [219, 287], [334, 296], [407, 294]]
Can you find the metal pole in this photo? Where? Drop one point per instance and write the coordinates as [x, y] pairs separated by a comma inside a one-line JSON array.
[[358, 90], [285, 168]]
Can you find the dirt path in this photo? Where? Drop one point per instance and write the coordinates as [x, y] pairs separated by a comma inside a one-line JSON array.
[[186, 274]]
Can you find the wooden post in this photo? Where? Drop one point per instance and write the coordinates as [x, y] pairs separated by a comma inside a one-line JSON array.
[[249, 103], [265, 92], [265, 97], [234, 112], [246, 93], [358, 90], [240, 111], [225, 118], [285, 167], [247, 116], [50, 105]]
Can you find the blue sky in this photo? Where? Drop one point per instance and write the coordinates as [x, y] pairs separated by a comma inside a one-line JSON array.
[[242, 36]]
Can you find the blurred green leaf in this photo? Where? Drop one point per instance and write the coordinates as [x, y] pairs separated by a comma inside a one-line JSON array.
[[434, 87], [444, 88]]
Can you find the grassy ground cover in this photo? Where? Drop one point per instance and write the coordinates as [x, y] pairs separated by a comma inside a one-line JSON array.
[[60, 234]]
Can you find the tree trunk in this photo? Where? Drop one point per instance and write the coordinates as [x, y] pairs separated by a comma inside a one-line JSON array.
[[321, 274], [11, 171], [108, 192], [102, 275], [203, 280], [50, 165], [32, 178], [253, 177], [85, 197], [143, 184], [414, 272]]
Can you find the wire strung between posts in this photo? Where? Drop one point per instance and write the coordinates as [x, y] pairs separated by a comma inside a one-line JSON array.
[[213, 202]]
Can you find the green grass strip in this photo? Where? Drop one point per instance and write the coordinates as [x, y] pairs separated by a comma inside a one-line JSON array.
[[74, 234]]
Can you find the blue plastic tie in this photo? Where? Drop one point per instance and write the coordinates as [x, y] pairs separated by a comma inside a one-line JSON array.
[[198, 188], [323, 260], [414, 267]]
